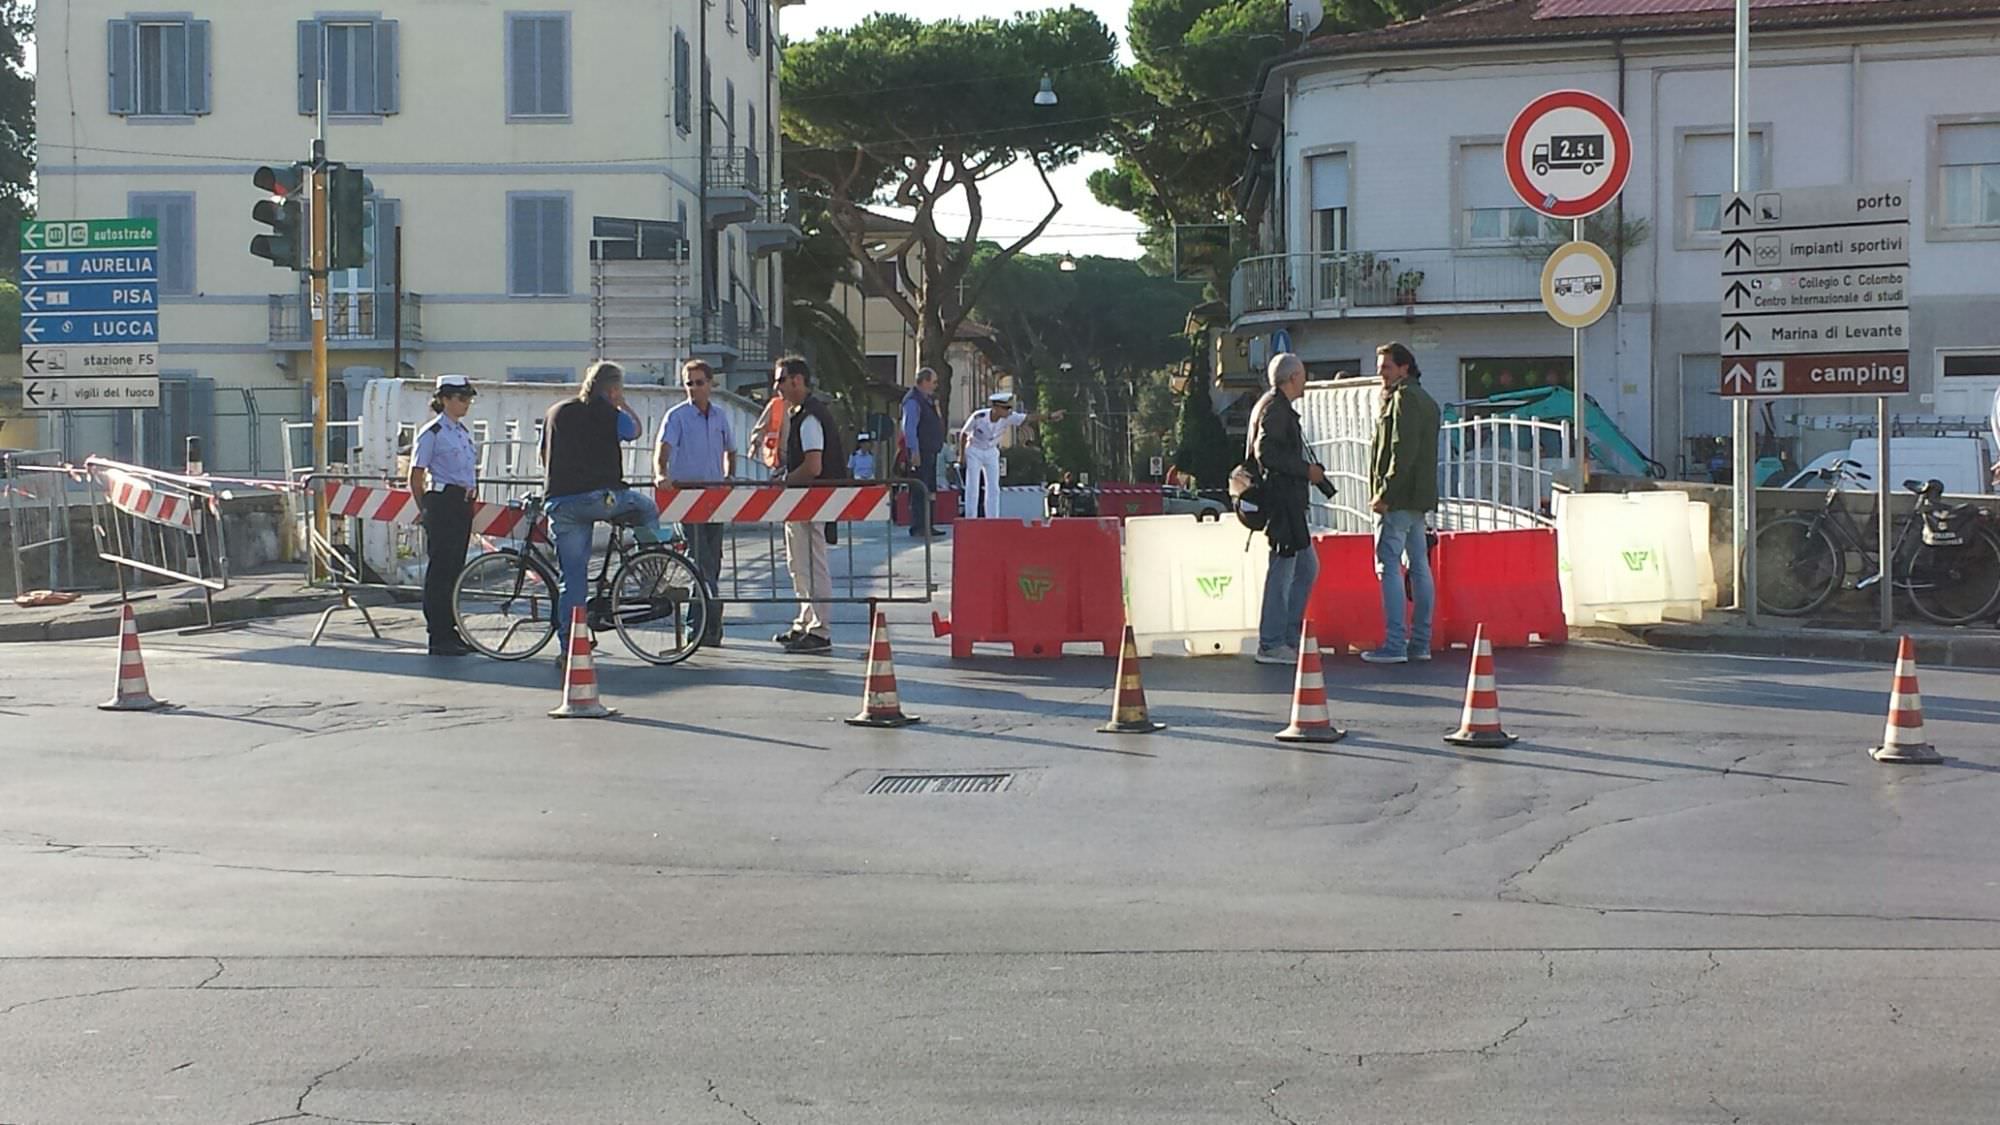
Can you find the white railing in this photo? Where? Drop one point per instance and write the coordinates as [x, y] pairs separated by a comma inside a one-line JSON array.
[[1381, 279], [1493, 473]]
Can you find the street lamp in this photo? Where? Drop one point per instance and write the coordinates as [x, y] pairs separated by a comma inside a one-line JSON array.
[[1047, 94], [1067, 265]]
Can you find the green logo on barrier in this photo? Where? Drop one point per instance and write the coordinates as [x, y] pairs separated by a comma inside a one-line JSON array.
[[1635, 561], [1035, 583], [1214, 585]]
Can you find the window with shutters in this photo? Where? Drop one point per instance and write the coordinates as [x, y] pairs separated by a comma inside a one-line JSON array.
[[358, 58], [538, 249], [1328, 181], [538, 66], [158, 67], [1490, 214], [1968, 177], [174, 211], [683, 84], [753, 25], [1705, 171]]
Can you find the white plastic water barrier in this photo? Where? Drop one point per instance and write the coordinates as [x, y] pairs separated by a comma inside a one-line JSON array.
[[1627, 559], [1192, 585], [1704, 556]]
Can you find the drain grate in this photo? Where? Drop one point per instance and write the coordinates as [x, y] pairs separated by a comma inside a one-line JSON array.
[[921, 784]]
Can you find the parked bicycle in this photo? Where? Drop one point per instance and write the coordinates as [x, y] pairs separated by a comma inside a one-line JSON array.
[[1945, 558], [506, 600]]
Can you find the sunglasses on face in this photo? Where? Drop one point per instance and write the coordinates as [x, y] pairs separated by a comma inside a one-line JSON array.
[[697, 382]]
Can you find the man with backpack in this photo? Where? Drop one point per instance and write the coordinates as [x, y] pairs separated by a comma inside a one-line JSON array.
[[1276, 461]]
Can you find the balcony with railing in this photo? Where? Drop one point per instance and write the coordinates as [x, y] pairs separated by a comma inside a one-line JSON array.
[[354, 320], [1384, 282], [735, 185]]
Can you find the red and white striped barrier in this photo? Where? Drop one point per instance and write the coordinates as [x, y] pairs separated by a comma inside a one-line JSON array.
[[135, 496], [709, 504]]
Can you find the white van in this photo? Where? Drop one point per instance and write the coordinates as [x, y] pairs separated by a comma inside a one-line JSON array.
[[1960, 462]]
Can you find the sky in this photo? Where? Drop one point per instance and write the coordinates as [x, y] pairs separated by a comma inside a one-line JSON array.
[[1014, 199]]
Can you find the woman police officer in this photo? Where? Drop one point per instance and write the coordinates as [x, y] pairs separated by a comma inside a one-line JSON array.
[[444, 469]]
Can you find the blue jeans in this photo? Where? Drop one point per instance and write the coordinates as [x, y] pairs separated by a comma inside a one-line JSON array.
[[1287, 585], [1399, 536], [573, 519]]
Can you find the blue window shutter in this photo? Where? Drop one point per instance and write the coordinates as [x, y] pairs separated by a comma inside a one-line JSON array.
[[201, 417], [118, 45], [198, 64], [311, 37], [521, 261], [555, 65], [388, 215], [388, 97], [555, 246]]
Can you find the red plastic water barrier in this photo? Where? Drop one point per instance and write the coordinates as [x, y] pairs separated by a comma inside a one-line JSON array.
[[944, 507], [1346, 603], [1504, 579], [1035, 586], [1131, 500]]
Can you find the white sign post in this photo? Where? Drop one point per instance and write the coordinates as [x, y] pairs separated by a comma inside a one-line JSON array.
[[1568, 155]]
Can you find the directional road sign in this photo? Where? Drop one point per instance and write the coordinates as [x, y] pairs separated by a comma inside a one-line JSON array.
[[90, 320], [1568, 154], [1578, 283], [1816, 291]]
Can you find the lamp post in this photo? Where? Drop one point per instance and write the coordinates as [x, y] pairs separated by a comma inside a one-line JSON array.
[[1046, 96]]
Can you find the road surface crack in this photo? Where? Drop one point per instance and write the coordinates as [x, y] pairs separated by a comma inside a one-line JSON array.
[[1734, 1117], [715, 1092], [1484, 1051], [1270, 1101], [301, 1113], [330, 872]]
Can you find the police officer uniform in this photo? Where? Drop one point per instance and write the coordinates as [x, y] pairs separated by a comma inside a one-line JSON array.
[[446, 453]]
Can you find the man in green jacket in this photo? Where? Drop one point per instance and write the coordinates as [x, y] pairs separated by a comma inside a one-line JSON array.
[[1402, 479]]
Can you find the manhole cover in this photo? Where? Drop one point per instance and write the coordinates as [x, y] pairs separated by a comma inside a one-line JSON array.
[[928, 783]]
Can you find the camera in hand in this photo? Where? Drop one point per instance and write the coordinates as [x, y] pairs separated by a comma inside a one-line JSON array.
[[1325, 487]]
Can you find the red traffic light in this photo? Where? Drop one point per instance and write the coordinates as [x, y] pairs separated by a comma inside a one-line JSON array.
[[279, 182]]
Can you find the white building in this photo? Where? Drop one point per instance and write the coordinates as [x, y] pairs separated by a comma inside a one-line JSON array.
[[1376, 158], [494, 135]]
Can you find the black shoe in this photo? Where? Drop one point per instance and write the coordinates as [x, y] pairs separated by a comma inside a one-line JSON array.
[[452, 647], [787, 637], [711, 640], [810, 645]]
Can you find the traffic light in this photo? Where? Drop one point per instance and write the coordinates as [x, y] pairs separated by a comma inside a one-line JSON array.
[[351, 218], [284, 211]]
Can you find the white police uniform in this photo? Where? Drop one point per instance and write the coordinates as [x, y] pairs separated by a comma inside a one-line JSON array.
[[982, 455]]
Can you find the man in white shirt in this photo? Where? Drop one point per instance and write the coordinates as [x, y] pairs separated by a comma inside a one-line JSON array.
[[979, 450]]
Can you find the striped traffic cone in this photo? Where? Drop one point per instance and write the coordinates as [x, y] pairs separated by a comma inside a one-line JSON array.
[[1903, 738], [580, 677], [1310, 720], [1480, 725], [1128, 711], [132, 693], [880, 705]]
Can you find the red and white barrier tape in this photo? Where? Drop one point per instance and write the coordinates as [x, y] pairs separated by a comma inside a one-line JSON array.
[[715, 504]]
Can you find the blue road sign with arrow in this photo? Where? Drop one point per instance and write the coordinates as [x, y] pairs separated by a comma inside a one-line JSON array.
[[91, 296], [92, 328]]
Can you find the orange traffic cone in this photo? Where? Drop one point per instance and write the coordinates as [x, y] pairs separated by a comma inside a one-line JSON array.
[[1128, 711], [1903, 738], [132, 693], [580, 677], [880, 705], [1310, 719], [1480, 725]]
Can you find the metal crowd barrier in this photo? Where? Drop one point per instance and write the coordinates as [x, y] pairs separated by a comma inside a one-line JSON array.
[[160, 525], [37, 489], [379, 547]]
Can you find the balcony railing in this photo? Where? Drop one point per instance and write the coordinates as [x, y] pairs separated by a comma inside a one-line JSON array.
[[735, 166], [1382, 279], [353, 319], [725, 331]]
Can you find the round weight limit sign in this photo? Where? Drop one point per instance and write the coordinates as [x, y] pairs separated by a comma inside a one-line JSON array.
[[1578, 283], [1568, 154]]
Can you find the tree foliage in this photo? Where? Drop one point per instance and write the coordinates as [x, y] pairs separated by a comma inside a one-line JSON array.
[[903, 113], [1202, 446], [17, 127], [814, 326]]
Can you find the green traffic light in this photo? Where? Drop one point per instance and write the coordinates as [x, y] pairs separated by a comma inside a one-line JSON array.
[[350, 217]]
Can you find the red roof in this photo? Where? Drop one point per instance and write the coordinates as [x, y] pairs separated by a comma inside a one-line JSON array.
[[1565, 9]]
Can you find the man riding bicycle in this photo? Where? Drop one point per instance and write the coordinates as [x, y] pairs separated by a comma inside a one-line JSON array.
[[584, 480]]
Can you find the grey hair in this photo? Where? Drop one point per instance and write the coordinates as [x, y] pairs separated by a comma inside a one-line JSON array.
[[925, 373], [1283, 367], [596, 376]]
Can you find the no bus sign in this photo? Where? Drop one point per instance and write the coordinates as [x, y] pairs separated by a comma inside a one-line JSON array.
[[1568, 154]]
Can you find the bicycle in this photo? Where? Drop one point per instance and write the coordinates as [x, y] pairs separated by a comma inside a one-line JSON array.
[[1945, 560], [506, 600]]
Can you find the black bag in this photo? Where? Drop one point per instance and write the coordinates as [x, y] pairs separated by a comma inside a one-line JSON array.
[[1246, 495]]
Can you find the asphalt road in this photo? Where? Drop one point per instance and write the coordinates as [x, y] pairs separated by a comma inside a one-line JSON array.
[[353, 883]]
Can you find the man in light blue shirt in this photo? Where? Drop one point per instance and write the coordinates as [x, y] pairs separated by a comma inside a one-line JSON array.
[[697, 446]]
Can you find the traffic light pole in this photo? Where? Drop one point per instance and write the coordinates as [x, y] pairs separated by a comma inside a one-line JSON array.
[[320, 212]]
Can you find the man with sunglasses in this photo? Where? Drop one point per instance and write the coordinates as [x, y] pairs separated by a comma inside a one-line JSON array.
[[696, 446]]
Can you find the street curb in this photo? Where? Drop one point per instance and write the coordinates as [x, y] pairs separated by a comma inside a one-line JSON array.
[[157, 617], [1855, 645]]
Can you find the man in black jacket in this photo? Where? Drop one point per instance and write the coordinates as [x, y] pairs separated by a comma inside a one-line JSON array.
[[813, 453], [1277, 444]]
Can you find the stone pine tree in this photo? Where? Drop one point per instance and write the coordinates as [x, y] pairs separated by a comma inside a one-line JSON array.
[[17, 128], [1202, 446], [901, 113]]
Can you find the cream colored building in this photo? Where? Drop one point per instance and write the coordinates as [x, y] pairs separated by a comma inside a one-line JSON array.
[[494, 133]]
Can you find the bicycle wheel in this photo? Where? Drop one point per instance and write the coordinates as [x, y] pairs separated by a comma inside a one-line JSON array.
[[1956, 585], [1798, 566], [505, 603], [661, 606]]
